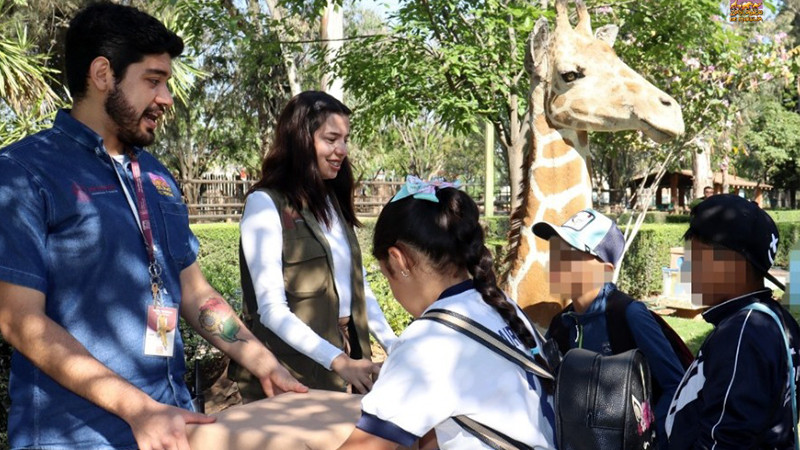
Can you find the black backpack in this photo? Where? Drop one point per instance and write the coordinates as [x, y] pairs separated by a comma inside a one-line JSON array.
[[619, 332], [603, 402]]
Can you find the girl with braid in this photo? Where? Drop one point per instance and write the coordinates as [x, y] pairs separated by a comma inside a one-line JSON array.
[[431, 248]]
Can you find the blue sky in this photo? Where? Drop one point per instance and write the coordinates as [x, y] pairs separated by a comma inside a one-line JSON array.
[[382, 7]]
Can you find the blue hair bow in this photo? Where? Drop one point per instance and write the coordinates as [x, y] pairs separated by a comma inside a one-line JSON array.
[[423, 190]]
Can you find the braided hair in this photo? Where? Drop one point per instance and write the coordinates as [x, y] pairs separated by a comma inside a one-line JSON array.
[[449, 235]]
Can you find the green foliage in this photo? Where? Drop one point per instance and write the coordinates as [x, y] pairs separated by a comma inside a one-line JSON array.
[[789, 234], [773, 145], [421, 146], [654, 217], [29, 92], [693, 332], [455, 60], [219, 260], [397, 317], [641, 269], [785, 215], [706, 64]]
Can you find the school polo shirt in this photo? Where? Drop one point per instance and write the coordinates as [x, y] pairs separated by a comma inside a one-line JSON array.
[[68, 231], [435, 373]]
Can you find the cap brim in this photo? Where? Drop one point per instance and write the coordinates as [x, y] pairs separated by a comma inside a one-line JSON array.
[[547, 230], [544, 230]]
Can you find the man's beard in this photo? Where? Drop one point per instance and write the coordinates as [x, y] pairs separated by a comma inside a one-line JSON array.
[[124, 115]]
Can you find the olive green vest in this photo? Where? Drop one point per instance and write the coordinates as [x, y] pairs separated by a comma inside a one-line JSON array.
[[311, 293]]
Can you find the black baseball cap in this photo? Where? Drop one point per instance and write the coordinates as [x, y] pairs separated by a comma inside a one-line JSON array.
[[739, 225]]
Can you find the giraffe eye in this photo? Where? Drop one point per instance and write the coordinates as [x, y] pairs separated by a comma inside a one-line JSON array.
[[569, 77]]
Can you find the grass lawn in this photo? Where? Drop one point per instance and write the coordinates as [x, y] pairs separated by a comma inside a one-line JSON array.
[[692, 331]]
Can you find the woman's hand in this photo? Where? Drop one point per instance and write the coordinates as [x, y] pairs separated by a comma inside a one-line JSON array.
[[357, 372]]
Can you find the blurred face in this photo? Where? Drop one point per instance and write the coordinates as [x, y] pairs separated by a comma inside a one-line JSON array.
[[708, 192], [139, 99], [714, 271], [573, 272], [330, 143]]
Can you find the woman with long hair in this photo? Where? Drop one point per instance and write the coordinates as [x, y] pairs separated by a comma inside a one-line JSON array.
[[431, 248], [304, 287]]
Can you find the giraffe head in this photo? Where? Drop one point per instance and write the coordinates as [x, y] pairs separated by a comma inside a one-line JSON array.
[[587, 87]]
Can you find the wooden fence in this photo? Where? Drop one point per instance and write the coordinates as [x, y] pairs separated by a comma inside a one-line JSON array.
[[222, 200]]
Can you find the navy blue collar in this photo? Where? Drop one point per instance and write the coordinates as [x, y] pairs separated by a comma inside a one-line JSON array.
[[457, 289], [82, 134], [716, 314]]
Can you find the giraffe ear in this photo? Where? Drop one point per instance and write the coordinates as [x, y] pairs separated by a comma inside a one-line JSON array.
[[607, 34], [536, 54]]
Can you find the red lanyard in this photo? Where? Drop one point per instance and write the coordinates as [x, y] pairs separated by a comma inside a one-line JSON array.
[[144, 214], [147, 232]]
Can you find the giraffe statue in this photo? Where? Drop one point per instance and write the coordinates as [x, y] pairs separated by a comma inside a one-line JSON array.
[[578, 84]]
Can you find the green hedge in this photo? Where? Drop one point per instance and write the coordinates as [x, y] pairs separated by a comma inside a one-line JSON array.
[[782, 215], [647, 255], [653, 217]]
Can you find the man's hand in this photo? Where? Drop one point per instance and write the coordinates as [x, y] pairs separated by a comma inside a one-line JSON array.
[[163, 427], [358, 372], [278, 380]]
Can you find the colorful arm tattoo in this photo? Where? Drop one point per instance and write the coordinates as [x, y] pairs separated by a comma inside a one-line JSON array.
[[217, 317]]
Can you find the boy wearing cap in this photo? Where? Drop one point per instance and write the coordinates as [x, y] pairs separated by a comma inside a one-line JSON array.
[[737, 393], [583, 254]]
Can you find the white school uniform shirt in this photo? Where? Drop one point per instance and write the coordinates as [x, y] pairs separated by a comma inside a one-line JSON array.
[[435, 373], [262, 244]]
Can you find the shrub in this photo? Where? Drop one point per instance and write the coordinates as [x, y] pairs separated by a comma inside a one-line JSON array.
[[790, 234], [397, 317], [641, 268], [219, 260], [652, 217], [791, 215]]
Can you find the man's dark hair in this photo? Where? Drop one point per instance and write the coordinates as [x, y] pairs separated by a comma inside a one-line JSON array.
[[122, 34]]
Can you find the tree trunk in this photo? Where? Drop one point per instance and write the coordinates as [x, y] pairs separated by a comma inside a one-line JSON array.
[[332, 33], [516, 159], [288, 58], [701, 168], [725, 183]]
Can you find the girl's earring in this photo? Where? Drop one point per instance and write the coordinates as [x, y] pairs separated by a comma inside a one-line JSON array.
[[404, 273]]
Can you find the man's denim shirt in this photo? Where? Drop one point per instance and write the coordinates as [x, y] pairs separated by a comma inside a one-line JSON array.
[[67, 230]]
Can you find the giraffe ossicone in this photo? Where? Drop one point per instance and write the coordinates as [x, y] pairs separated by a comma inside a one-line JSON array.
[[578, 84]]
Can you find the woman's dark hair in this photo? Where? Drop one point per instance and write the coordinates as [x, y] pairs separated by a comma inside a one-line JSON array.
[[122, 34], [449, 235], [290, 166]]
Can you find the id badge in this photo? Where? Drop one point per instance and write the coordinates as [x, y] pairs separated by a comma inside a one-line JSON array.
[[159, 338]]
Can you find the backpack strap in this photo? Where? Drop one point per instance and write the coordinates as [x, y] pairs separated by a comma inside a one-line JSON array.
[[488, 338], [495, 343], [757, 306], [619, 333], [558, 332], [489, 436]]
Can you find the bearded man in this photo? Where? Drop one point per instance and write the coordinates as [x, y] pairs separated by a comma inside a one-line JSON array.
[[97, 261]]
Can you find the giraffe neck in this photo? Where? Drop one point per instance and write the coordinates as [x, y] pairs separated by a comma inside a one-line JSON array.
[[558, 187]]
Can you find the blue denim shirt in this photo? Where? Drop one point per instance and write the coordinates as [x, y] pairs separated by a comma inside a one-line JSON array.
[[68, 231]]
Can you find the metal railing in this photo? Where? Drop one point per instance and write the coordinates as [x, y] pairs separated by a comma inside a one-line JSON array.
[[222, 200]]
